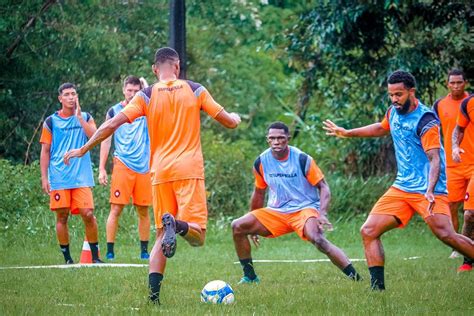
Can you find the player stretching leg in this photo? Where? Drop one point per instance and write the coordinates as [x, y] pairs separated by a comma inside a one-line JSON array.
[[420, 185], [298, 202]]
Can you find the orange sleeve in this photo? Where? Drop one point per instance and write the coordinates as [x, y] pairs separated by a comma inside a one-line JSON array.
[[135, 108], [385, 124], [465, 113], [208, 104], [259, 180], [314, 173], [431, 139], [46, 136]]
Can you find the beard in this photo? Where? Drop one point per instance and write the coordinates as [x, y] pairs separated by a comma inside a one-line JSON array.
[[404, 109]]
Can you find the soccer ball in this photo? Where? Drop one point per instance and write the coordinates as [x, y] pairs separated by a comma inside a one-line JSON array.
[[217, 292]]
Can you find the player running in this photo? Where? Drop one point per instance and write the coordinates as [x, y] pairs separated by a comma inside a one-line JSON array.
[[131, 172], [69, 186], [458, 174], [463, 151], [420, 185], [298, 202], [172, 107]]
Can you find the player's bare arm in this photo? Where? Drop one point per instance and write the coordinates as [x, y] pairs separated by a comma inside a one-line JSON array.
[[104, 154], [458, 135], [44, 164], [89, 127], [372, 130], [104, 131], [325, 198], [433, 176], [229, 120]]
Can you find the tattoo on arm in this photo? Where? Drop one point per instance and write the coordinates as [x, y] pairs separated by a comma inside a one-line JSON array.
[[434, 159]]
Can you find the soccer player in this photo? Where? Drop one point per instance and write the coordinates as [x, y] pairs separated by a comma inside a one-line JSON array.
[[172, 107], [463, 151], [131, 172], [458, 174], [69, 186], [420, 185], [298, 202]]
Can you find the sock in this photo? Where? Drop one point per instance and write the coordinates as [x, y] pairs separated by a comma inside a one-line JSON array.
[[65, 251], [94, 250], [468, 261], [144, 246], [181, 228], [377, 281], [351, 273], [247, 266], [110, 247], [154, 281]]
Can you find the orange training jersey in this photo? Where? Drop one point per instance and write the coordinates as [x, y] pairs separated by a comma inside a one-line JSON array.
[[466, 119], [447, 110], [173, 114]]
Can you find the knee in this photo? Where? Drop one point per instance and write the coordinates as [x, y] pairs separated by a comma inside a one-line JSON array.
[[88, 216], [445, 235], [62, 220], [236, 227], [368, 232]]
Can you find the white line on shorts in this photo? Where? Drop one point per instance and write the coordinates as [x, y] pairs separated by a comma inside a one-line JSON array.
[[72, 266]]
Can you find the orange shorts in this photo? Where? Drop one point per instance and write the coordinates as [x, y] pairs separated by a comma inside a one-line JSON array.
[[127, 183], [469, 198], [280, 223], [459, 179], [403, 205], [184, 199], [73, 199]]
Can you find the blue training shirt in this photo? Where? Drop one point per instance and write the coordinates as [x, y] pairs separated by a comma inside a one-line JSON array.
[[412, 162], [132, 143], [67, 134]]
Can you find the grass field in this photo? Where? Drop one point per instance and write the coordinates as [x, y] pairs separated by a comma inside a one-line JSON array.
[[426, 285]]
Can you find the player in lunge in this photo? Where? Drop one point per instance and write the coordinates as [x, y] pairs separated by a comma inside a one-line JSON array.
[[298, 202]]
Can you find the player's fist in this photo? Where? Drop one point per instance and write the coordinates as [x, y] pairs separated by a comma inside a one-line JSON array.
[[45, 186], [103, 179], [457, 151], [236, 118]]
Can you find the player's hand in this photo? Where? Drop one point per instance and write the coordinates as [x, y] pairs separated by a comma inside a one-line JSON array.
[[457, 151], [103, 179], [45, 186], [75, 153], [143, 82], [324, 224], [334, 130], [255, 240], [78, 112], [235, 117], [431, 199]]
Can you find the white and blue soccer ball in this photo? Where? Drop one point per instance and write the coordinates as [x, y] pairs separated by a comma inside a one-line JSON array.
[[217, 292]]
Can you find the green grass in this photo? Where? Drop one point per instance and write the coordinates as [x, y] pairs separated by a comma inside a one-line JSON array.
[[429, 285]]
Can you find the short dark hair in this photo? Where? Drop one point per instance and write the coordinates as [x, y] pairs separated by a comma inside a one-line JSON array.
[[164, 54], [401, 76], [279, 125], [132, 80], [65, 86], [456, 72]]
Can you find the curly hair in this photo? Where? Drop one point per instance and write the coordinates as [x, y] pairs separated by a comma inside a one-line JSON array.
[[400, 76]]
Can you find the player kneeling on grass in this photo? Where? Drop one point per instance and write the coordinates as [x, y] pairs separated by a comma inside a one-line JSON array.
[[298, 202]]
